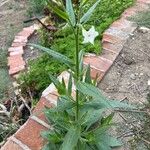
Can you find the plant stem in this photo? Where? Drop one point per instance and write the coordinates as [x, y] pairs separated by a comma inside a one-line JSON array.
[[77, 60], [77, 72]]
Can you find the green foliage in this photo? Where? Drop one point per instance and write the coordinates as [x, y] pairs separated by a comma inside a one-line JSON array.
[[142, 19], [90, 131], [37, 78], [105, 13]]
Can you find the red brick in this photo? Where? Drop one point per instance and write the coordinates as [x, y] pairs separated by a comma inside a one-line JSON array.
[[14, 70], [15, 61], [17, 44], [52, 97], [14, 49], [30, 135], [144, 1], [19, 52], [112, 39], [24, 34], [129, 12], [39, 109], [110, 55], [124, 25], [116, 48], [10, 145], [97, 73], [20, 39], [98, 63]]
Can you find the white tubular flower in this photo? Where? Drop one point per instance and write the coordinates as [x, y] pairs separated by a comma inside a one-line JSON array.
[[89, 36]]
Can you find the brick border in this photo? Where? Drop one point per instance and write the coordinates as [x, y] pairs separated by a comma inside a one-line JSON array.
[[28, 136]]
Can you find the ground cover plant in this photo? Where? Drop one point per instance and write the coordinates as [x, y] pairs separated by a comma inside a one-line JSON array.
[[79, 122], [104, 14]]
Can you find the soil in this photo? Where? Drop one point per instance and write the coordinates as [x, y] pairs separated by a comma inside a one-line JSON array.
[[12, 15], [32, 53], [128, 79]]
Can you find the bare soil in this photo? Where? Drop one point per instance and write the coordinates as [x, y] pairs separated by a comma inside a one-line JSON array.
[[128, 80], [12, 15]]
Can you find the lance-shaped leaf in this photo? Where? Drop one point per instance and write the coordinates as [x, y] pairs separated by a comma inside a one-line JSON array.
[[70, 85], [70, 12], [62, 58], [89, 13], [58, 11], [99, 101], [71, 139], [88, 75]]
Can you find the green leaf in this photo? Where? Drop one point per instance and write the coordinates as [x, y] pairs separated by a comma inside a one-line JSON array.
[[88, 14], [58, 11], [99, 101], [105, 142], [88, 75], [60, 87], [81, 54], [71, 139], [108, 119], [49, 146], [92, 117], [84, 2], [51, 136], [62, 58], [89, 90], [114, 142], [64, 103], [54, 80], [70, 12]]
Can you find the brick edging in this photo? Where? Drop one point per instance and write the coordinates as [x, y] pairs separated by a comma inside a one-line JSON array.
[[28, 136]]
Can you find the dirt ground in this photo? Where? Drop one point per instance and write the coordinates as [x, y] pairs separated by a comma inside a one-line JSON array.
[[128, 78], [12, 15]]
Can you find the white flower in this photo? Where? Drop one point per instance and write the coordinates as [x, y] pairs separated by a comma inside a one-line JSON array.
[[89, 36], [149, 82]]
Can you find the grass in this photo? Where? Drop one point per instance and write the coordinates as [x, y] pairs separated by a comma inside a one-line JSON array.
[[38, 76]]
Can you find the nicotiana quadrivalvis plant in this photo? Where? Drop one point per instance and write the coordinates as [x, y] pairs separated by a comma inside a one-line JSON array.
[[79, 122]]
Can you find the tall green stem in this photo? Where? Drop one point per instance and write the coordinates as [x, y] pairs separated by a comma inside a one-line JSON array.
[[77, 71], [77, 60]]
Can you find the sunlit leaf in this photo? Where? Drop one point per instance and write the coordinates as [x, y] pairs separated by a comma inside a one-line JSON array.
[[70, 11], [58, 11], [89, 13], [62, 58]]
